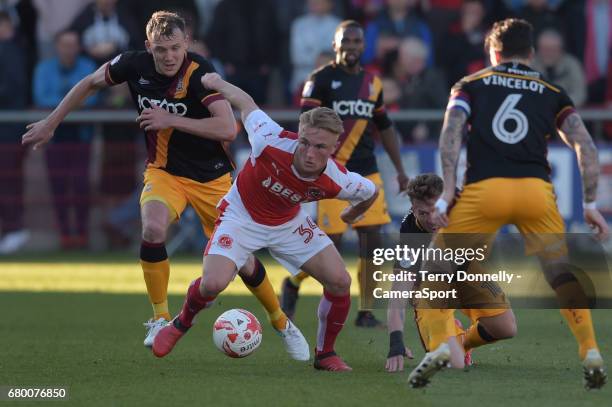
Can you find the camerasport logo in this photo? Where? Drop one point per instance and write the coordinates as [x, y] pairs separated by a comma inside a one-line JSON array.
[[225, 241]]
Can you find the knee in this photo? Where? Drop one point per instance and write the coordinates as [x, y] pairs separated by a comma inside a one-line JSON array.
[[154, 232], [505, 328], [212, 287], [339, 284]]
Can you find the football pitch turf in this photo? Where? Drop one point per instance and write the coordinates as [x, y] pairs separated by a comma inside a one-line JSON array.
[[57, 330]]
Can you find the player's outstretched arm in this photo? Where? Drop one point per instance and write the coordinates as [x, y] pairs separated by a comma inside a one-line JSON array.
[[576, 136], [396, 317], [450, 148], [40, 132], [236, 96]]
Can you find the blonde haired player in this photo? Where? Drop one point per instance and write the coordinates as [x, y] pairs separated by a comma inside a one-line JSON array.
[[262, 210]]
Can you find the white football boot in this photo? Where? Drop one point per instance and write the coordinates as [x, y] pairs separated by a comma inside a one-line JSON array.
[[153, 327], [594, 370], [432, 363], [295, 343]]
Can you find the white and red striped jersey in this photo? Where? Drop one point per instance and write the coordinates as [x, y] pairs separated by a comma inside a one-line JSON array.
[[269, 187]]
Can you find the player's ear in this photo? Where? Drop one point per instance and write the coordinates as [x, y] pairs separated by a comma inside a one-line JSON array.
[[148, 46]]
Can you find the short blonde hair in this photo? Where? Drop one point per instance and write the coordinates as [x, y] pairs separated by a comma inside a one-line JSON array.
[[163, 23], [322, 118]]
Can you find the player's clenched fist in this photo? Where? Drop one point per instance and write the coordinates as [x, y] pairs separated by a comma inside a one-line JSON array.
[[155, 118], [38, 134], [212, 80]]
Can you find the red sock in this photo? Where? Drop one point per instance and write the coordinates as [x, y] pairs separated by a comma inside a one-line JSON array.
[[194, 303], [332, 313]]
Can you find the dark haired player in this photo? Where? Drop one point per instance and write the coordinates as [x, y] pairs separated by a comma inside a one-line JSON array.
[[356, 96], [512, 111], [187, 128], [487, 325]]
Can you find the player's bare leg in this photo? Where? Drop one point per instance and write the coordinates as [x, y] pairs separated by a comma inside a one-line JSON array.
[[329, 269], [217, 273], [156, 218]]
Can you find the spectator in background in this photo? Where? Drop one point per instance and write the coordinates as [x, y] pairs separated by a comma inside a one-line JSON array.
[[13, 96], [107, 30], [311, 34], [322, 59], [462, 51], [398, 20], [243, 36], [560, 67], [68, 154], [54, 16], [541, 16], [597, 48], [421, 88]]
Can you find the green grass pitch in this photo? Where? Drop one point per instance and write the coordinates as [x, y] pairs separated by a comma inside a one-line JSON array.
[[92, 342]]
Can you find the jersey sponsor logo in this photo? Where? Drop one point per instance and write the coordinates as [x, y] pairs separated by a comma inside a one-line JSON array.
[[336, 84], [143, 81], [514, 83], [179, 109], [353, 108], [308, 87], [225, 241], [279, 189], [116, 59]]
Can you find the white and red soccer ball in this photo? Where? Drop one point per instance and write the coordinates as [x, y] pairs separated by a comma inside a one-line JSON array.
[[237, 333]]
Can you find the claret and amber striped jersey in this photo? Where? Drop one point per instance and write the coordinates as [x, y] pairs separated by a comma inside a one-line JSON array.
[[179, 153], [358, 100], [511, 113]]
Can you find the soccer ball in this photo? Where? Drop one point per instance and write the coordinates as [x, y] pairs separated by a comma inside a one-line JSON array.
[[237, 333]]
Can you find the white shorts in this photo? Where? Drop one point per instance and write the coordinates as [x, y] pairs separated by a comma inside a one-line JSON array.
[[292, 244]]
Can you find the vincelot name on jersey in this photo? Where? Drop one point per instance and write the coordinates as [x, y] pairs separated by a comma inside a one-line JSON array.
[[514, 83]]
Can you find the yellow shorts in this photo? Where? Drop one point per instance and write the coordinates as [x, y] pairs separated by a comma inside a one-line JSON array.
[[529, 203], [329, 210], [176, 192]]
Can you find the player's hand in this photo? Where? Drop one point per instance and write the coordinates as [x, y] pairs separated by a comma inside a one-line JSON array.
[[155, 118], [212, 80], [38, 134], [402, 180], [440, 217], [396, 363], [597, 222], [348, 215]]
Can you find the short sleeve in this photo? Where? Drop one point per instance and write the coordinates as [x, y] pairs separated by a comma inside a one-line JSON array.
[[121, 68], [565, 107], [460, 98], [355, 188], [314, 92], [261, 129], [204, 95]]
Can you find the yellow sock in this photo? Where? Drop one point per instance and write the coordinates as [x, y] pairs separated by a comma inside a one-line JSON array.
[[435, 326], [156, 276], [581, 325], [473, 339], [298, 278], [266, 296]]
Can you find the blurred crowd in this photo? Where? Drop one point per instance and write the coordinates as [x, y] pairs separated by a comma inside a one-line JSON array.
[[268, 47]]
